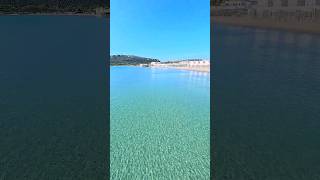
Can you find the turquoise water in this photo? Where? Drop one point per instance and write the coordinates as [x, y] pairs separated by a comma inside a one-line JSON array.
[[160, 124]]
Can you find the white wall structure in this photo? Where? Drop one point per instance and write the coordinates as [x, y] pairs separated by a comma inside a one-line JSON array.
[[301, 10], [288, 9], [233, 7], [183, 63]]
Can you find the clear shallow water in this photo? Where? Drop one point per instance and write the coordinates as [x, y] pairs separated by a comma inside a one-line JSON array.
[[160, 124], [266, 87], [53, 118]]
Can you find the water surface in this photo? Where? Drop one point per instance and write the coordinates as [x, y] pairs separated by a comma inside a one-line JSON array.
[[160, 122], [266, 87], [53, 97]]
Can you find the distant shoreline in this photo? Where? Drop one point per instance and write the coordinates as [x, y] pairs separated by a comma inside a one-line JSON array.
[[197, 69], [199, 65], [201, 69], [52, 14], [291, 26], [124, 65]]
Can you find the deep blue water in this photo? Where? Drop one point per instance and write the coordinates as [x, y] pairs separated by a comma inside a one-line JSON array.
[[53, 94], [266, 88]]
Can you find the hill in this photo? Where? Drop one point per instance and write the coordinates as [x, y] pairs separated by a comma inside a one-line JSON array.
[[54, 6], [120, 60]]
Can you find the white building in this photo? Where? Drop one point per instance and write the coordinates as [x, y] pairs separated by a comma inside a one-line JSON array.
[[233, 8], [154, 63], [186, 63], [196, 63], [302, 10], [235, 4], [295, 4], [287, 9]]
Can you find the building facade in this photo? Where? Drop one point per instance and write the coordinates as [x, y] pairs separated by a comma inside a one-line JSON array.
[[233, 7], [301, 10]]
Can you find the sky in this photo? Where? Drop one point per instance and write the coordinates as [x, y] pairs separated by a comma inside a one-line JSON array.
[[162, 29]]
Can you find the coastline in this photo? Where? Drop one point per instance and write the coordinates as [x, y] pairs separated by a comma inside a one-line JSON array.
[[52, 14], [197, 69], [293, 26]]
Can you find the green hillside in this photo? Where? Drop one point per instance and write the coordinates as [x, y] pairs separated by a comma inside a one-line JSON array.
[[54, 6], [121, 60]]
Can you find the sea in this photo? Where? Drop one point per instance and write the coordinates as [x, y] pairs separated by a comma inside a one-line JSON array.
[[53, 97], [160, 123], [266, 104]]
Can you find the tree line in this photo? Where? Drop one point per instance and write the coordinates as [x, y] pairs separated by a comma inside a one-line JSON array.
[[49, 6]]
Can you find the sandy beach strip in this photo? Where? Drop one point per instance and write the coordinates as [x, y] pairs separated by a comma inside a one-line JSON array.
[[305, 27], [199, 69]]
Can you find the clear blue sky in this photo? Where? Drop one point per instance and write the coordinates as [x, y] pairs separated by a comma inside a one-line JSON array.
[[163, 29]]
